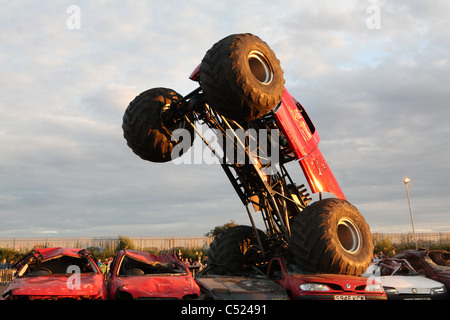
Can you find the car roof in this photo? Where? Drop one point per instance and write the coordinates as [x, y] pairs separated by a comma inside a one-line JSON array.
[[148, 257], [47, 253]]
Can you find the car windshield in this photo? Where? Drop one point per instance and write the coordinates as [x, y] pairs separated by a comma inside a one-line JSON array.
[[135, 267], [292, 268], [60, 265]]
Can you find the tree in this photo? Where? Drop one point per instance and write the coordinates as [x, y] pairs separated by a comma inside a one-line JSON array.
[[214, 232], [385, 246], [124, 243]]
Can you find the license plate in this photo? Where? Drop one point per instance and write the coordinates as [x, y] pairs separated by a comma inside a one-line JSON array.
[[341, 297]]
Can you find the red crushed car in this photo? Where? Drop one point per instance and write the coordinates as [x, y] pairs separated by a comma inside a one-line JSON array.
[[303, 286], [57, 273], [140, 275]]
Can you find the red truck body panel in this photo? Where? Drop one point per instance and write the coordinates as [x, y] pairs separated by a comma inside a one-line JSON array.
[[303, 140]]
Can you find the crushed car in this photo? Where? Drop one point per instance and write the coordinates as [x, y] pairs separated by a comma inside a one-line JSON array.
[[300, 285], [220, 282], [433, 264], [138, 275], [401, 282], [56, 274]]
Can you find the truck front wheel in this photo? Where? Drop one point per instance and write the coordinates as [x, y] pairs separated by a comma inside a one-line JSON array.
[[331, 236]]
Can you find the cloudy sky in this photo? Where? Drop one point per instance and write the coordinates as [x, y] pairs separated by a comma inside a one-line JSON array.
[[374, 77]]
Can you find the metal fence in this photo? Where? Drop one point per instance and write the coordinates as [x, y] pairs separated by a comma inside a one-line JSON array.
[[107, 243], [167, 243], [407, 238]]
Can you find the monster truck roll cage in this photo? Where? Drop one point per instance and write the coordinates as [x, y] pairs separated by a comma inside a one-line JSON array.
[[259, 127], [256, 182]]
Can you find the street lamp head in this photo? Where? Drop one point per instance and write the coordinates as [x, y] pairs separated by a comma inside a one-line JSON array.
[[406, 180]]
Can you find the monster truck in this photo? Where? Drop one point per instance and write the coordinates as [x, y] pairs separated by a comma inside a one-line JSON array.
[[241, 90]]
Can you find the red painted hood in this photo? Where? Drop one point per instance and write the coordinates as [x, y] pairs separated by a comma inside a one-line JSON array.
[[56, 285], [303, 140], [338, 279], [149, 286]]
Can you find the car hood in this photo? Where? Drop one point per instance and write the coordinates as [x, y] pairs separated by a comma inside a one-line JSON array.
[[158, 286], [57, 285], [242, 288], [347, 282], [404, 284]]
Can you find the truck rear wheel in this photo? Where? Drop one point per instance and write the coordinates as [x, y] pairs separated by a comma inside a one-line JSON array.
[[143, 129], [241, 77], [236, 248], [331, 236]]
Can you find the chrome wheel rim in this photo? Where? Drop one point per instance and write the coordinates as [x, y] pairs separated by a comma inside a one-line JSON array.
[[260, 67]]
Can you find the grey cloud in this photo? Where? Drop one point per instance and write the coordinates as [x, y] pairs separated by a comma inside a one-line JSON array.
[[378, 98]]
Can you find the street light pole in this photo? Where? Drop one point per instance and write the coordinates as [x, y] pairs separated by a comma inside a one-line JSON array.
[[406, 181]]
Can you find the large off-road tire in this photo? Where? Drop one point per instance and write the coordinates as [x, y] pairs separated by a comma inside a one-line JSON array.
[[331, 236], [241, 77], [236, 248], [143, 129]]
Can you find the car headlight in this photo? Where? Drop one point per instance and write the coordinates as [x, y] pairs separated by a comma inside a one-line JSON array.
[[314, 287], [375, 287], [438, 290], [389, 290]]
